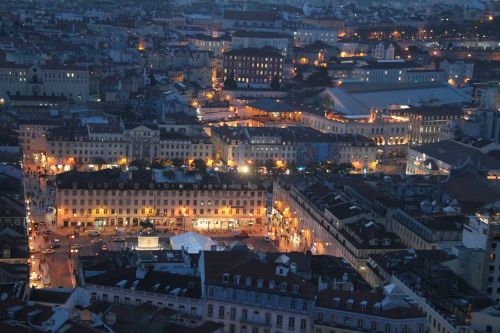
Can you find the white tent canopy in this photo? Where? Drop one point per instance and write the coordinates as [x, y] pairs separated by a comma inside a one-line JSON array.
[[192, 242]]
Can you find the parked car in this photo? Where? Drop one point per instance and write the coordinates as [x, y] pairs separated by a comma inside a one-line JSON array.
[[54, 245], [76, 246], [96, 241], [48, 251], [47, 231], [93, 233], [119, 239]]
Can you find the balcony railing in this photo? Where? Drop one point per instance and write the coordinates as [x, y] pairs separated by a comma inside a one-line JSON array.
[[257, 322]]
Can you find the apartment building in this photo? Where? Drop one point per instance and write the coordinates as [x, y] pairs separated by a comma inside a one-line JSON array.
[[442, 157], [164, 283], [427, 124], [167, 198], [33, 132], [483, 232], [253, 67], [259, 39], [251, 293], [100, 144], [394, 71], [426, 230], [351, 311], [446, 299], [239, 146], [308, 35], [318, 217], [44, 80], [216, 45]]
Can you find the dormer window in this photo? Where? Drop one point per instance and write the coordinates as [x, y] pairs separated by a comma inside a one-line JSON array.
[[260, 283], [283, 286], [377, 307], [271, 284], [248, 281], [225, 278], [295, 288], [362, 305], [336, 302], [349, 304], [237, 279]]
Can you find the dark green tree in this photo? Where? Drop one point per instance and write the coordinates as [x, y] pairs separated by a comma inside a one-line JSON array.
[[230, 82], [320, 78], [199, 165], [139, 164], [157, 163], [269, 164], [177, 163], [152, 80], [275, 83]]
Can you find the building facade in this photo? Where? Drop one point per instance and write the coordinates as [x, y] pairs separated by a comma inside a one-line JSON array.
[[253, 67], [44, 80], [167, 198], [239, 146], [89, 145]]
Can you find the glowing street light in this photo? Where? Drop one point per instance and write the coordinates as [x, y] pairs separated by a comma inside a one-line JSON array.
[[244, 169]]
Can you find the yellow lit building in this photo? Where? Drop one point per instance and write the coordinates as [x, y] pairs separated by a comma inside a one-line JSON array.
[[169, 199]]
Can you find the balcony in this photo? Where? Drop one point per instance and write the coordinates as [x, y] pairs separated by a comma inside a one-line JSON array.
[[255, 322], [191, 315]]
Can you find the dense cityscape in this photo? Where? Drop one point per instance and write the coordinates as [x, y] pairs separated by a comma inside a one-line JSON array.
[[249, 166]]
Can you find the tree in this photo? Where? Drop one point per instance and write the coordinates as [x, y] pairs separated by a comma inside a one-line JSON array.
[[275, 83], [152, 80], [269, 164], [292, 166], [320, 78], [177, 163], [313, 166], [157, 164], [230, 82], [199, 165], [299, 76], [345, 167], [139, 164]]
